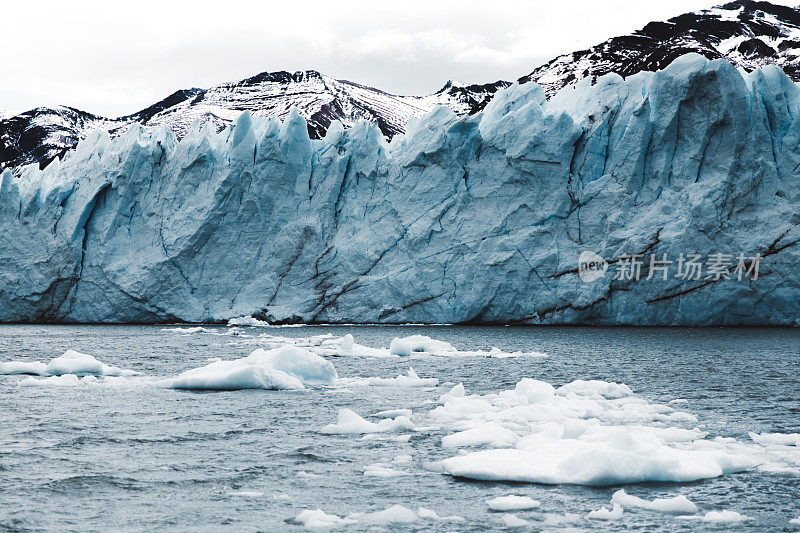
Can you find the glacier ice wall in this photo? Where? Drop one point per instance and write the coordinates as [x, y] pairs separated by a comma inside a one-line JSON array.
[[478, 219]]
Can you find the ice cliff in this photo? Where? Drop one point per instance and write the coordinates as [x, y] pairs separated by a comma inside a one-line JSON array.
[[462, 219]]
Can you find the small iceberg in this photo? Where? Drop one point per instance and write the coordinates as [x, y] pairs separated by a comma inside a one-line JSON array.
[[32, 368], [512, 502], [70, 362], [720, 517], [409, 379], [418, 343], [284, 368], [350, 423], [677, 504], [604, 513]]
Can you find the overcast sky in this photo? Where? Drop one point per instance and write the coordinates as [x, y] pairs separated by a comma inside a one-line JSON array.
[[116, 60]]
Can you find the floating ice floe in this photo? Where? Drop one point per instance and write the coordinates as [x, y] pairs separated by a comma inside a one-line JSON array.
[[676, 504], [324, 345], [69, 363], [604, 513], [795, 521], [433, 515], [497, 353], [405, 346], [720, 517], [287, 367], [585, 432], [596, 389], [415, 346], [396, 514], [347, 346], [513, 521], [424, 345], [189, 331], [402, 459], [560, 520], [67, 380], [81, 364], [319, 519], [489, 433], [350, 423], [409, 379], [35, 368], [781, 452], [512, 503], [392, 413], [382, 470], [776, 439]]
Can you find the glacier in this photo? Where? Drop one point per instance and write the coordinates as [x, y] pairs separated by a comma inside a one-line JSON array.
[[477, 219]]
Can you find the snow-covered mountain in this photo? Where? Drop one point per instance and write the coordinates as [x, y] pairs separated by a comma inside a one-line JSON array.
[[40, 135], [481, 219], [747, 33]]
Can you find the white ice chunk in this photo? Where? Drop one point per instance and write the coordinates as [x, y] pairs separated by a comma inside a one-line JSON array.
[[489, 433], [35, 368], [497, 353], [409, 379], [558, 520], [512, 520], [418, 343], [287, 367], [596, 388], [189, 331], [596, 463], [535, 391], [379, 470], [350, 423], [67, 380], [346, 345], [779, 439], [512, 503], [676, 504], [429, 514], [720, 517], [588, 433], [393, 413], [319, 519], [458, 391], [605, 514], [81, 364], [396, 514], [72, 362]]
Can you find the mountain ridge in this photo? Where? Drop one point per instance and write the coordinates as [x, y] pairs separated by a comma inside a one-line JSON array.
[[747, 33]]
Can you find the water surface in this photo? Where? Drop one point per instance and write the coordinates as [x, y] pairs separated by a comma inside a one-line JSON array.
[[146, 458]]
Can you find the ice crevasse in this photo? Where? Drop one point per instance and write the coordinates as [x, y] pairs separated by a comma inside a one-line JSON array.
[[463, 219]]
